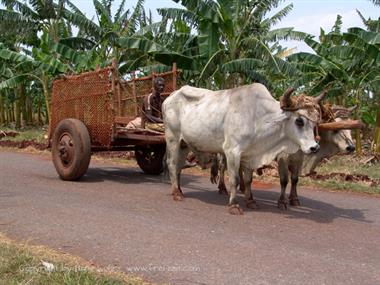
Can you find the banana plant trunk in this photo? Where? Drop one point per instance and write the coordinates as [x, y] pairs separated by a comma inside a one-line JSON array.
[[39, 111], [17, 111], [357, 134], [22, 102], [29, 110], [2, 111], [45, 85], [377, 128]]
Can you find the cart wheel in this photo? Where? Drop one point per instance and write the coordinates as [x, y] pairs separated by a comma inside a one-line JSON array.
[[71, 149], [149, 158]]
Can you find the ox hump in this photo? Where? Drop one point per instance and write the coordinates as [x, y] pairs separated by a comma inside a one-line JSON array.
[[194, 93]]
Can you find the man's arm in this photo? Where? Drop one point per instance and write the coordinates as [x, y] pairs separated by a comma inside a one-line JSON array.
[[149, 115], [148, 112]]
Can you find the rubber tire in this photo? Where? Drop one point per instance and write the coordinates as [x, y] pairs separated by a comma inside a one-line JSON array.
[[153, 165], [80, 137]]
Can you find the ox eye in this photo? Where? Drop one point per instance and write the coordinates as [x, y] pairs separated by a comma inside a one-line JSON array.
[[300, 122]]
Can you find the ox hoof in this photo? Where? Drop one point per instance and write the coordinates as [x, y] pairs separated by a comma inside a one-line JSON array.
[[235, 210], [177, 195], [294, 202], [282, 205], [251, 204], [223, 190]]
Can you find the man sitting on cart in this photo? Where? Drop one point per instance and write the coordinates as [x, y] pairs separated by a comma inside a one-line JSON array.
[[151, 109]]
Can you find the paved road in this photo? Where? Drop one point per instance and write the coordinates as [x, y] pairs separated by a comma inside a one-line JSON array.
[[117, 216]]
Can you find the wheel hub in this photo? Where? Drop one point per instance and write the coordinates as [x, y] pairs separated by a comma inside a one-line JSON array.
[[66, 149]]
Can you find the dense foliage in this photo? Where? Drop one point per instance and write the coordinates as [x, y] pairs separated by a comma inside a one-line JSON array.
[[216, 43]]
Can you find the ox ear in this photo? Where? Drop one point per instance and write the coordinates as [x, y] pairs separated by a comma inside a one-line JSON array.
[[286, 97], [281, 117]]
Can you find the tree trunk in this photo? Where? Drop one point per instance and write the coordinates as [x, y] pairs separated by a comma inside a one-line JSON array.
[[377, 128], [358, 140], [39, 114], [11, 113], [45, 86], [2, 111], [8, 118], [29, 110], [22, 103], [18, 113]]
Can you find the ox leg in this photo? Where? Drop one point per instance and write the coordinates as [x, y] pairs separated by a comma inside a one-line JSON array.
[[176, 157], [233, 164], [242, 181], [214, 171], [218, 168], [222, 170], [284, 173], [293, 197], [247, 181]]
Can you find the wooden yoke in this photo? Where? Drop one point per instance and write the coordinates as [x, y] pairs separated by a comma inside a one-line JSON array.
[[342, 125]]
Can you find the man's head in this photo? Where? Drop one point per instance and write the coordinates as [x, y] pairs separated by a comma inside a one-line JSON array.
[[159, 85]]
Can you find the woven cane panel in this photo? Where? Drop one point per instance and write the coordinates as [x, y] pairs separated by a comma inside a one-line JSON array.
[[86, 97], [143, 87]]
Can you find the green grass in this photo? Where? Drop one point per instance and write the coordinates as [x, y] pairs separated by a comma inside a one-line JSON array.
[[31, 133], [335, 184], [351, 165], [348, 165], [19, 265]]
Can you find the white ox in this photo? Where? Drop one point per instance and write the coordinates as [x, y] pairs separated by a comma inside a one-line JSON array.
[[331, 143], [246, 124]]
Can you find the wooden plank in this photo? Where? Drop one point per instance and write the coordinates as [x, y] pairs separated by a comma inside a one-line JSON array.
[[123, 120], [141, 137]]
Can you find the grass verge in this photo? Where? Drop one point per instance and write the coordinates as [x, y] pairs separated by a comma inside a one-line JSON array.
[[27, 264], [349, 165], [37, 134], [345, 164]]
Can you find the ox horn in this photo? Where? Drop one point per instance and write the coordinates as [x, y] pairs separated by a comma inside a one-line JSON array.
[[319, 98], [286, 96], [351, 109]]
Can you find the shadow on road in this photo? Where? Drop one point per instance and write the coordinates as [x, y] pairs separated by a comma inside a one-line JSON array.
[[311, 209], [127, 175], [316, 210]]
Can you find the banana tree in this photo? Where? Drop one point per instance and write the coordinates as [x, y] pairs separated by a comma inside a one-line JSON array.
[[347, 61], [101, 38], [234, 38], [41, 67]]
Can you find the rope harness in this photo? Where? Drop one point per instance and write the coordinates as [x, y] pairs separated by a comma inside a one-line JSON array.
[[316, 113]]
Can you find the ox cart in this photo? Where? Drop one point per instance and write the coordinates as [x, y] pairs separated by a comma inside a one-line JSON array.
[[91, 111]]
